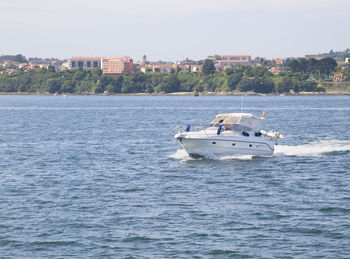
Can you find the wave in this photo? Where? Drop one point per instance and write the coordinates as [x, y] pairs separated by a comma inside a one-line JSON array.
[[242, 157], [315, 148], [181, 154]]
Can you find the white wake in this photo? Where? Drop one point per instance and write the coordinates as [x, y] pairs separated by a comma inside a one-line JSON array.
[[316, 148], [181, 154], [242, 157]]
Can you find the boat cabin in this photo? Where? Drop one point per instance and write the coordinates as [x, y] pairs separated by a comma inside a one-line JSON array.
[[237, 122]]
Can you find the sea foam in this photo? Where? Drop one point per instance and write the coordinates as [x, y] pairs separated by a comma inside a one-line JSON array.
[[315, 148]]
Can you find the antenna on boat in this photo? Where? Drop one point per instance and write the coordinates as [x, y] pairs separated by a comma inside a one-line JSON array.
[[241, 103]]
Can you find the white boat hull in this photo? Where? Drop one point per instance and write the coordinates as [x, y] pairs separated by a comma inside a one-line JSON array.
[[219, 145]]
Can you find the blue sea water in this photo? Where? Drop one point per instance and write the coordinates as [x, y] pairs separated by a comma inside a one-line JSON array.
[[96, 177]]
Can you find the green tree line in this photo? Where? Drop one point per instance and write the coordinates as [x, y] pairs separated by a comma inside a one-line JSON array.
[[15, 58], [258, 79]]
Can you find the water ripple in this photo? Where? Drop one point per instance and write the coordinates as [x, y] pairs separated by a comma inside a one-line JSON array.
[[94, 177]]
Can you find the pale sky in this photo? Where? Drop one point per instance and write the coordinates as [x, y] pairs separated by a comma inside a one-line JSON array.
[[173, 29]]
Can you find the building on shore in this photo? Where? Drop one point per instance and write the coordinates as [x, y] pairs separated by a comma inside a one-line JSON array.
[[86, 63], [276, 69], [238, 58], [233, 61], [318, 57], [160, 62], [117, 65], [196, 68], [64, 66], [157, 68], [186, 62], [170, 67], [338, 77], [278, 61], [110, 66]]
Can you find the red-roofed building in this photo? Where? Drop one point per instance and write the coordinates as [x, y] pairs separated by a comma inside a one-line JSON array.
[[23, 65], [278, 61], [11, 70], [338, 77], [275, 70]]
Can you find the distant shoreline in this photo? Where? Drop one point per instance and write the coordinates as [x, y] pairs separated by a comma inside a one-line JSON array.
[[181, 94]]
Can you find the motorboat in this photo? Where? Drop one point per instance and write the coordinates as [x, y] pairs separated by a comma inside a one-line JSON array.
[[229, 134]]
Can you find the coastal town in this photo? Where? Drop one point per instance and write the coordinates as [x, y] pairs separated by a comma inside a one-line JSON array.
[[126, 65], [271, 75]]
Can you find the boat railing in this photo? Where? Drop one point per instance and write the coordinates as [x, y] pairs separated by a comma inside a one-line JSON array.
[[197, 130]]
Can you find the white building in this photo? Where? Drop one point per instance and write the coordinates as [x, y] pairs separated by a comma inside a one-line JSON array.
[[84, 63], [233, 60]]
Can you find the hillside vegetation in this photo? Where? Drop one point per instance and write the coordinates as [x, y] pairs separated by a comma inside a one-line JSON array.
[[298, 75]]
